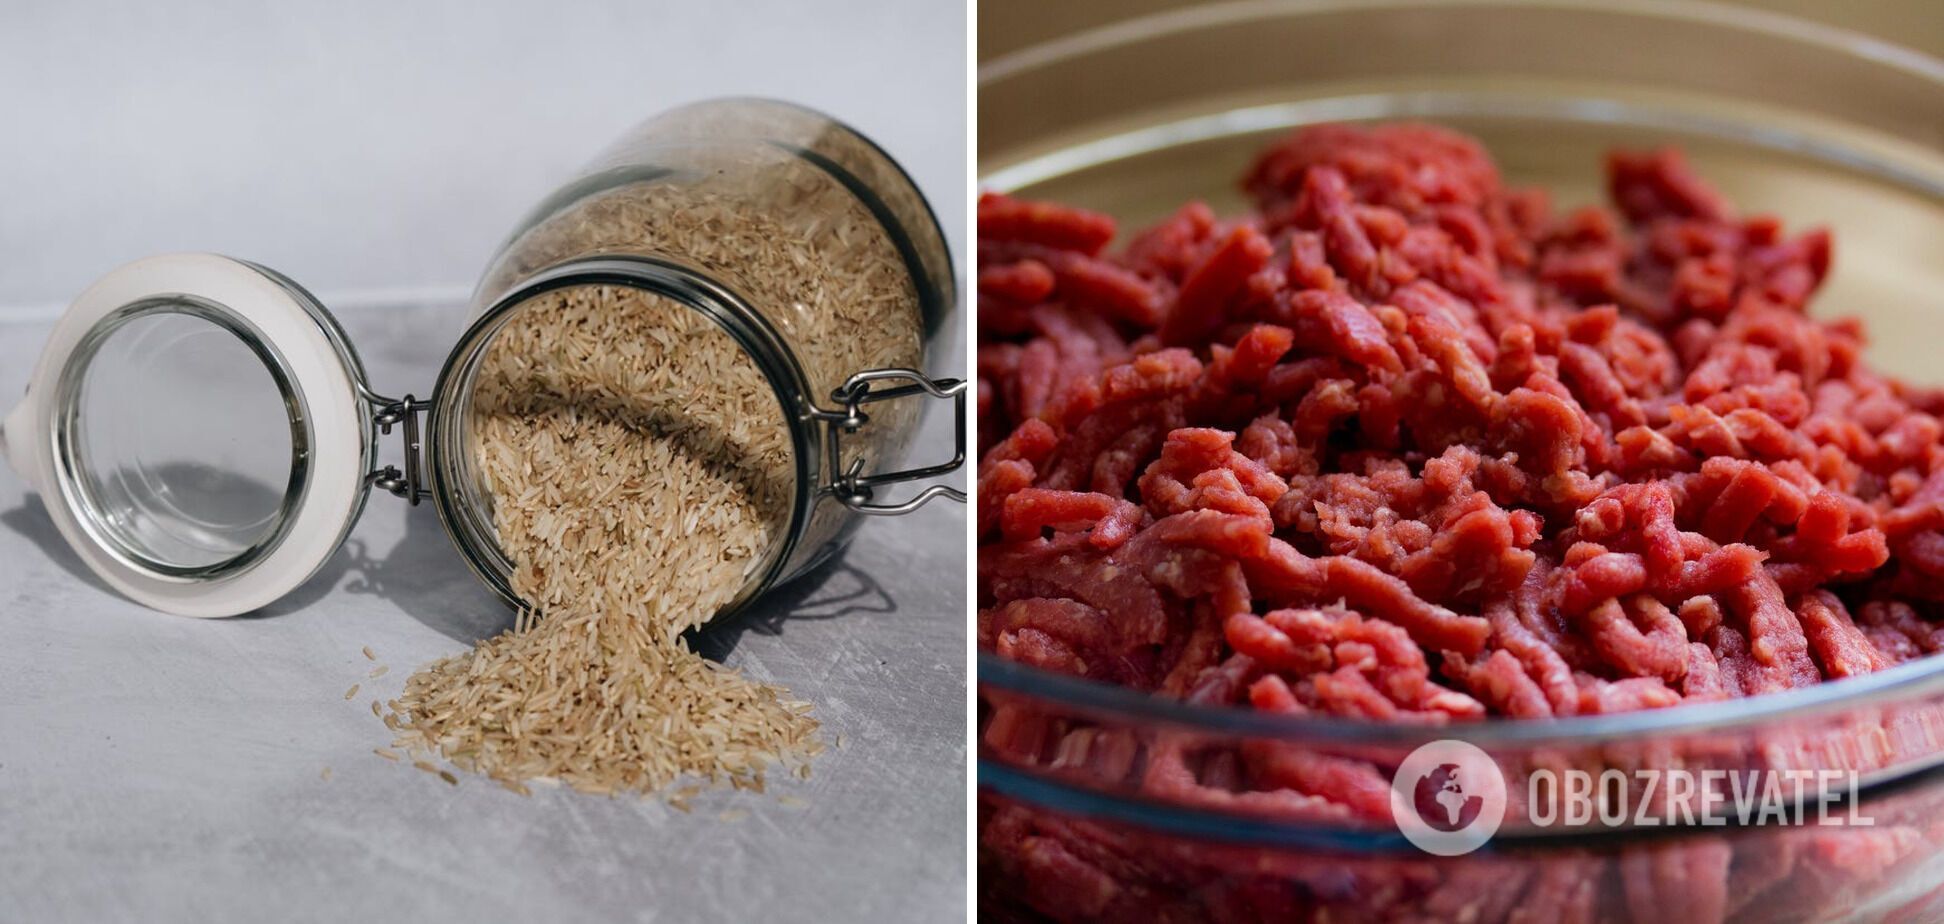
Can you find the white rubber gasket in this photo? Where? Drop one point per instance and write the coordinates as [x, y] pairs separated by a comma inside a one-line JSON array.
[[337, 421]]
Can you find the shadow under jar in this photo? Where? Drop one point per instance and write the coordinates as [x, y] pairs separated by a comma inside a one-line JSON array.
[[776, 236]]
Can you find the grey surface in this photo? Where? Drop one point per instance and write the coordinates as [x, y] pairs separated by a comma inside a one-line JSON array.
[[161, 768]]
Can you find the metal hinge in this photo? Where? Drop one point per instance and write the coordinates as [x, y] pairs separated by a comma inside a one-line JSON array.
[[853, 487], [395, 412]]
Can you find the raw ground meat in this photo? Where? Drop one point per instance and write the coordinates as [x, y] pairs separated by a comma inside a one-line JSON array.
[[1403, 444]]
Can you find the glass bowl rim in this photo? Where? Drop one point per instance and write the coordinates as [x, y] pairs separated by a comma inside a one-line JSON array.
[[1186, 16], [1909, 682]]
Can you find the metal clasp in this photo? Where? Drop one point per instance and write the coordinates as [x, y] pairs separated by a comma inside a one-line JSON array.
[[852, 486], [393, 412]]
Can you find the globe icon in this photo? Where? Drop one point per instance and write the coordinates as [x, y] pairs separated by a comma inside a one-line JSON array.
[[1442, 802], [1448, 797]]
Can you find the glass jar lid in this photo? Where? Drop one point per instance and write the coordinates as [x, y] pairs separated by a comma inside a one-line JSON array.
[[200, 432]]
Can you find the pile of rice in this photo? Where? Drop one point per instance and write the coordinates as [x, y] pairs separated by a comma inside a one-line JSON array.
[[641, 472]]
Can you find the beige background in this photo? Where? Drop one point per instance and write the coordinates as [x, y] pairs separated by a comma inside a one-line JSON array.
[[1008, 25]]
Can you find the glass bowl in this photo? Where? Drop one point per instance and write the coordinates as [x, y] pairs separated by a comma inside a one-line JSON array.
[[1081, 811]]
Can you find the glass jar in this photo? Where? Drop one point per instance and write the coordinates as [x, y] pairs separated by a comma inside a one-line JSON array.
[[206, 437]]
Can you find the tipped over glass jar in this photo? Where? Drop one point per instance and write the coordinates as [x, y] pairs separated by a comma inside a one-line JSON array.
[[205, 436]]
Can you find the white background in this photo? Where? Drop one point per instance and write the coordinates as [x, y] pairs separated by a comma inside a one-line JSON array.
[[369, 147]]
